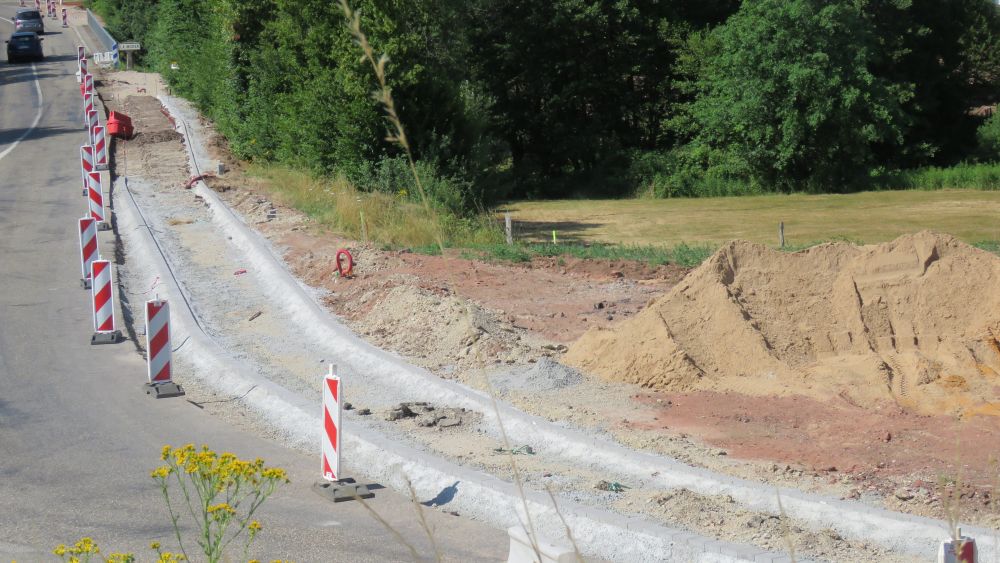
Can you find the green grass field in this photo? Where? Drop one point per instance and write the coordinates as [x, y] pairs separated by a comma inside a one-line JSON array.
[[869, 217]]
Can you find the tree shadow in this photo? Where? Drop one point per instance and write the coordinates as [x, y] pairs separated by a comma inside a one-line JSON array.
[[58, 58], [20, 72], [541, 231], [10, 416], [10, 135]]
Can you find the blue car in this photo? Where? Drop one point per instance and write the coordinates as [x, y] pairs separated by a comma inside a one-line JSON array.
[[24, 46]]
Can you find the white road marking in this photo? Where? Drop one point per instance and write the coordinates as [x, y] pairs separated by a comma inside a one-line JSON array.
[[38, 116], [82, 41]]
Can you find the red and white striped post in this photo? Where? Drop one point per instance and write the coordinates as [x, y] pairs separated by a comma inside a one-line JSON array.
[[81, 58], [962, 550], [88, 106], [95, 198], [86, 165], [158, 352], [332, 409], [158, 341], [100, 148], [103, 303], [92, 121], [89, 250], [88, 83], [333, 485], [65, 17]]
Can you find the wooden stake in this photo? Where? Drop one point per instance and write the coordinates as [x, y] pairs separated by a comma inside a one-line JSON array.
[[509, 228], [781, 234]]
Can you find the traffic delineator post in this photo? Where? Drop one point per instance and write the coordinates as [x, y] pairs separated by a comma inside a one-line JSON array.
[[962, 550], [95, 201], [86, 165], [88, 83], [100, 148], [158, 352], [89, 249], [88, 106], [333, 485], [332, 414], [92, 121], [103, 301], [81, 63]]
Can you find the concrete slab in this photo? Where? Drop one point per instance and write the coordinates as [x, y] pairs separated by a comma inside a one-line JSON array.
[[341, 491]]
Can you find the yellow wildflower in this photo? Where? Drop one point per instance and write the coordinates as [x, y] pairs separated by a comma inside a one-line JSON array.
[[222, 506]]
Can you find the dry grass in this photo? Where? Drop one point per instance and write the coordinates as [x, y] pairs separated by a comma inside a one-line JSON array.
[[339, 206], [869, 216], [383, 95]]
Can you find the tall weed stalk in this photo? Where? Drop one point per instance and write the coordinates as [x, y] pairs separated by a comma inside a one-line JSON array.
[[383, 95]]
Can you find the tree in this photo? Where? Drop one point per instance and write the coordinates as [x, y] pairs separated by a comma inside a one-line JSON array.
[[578, 84], [788, 101], [948, 52]]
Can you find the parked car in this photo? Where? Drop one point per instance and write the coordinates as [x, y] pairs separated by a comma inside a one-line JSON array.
[[29, 20], [24, 45]]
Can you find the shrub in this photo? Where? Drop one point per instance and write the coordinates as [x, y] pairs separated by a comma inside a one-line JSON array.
[[988, 137]]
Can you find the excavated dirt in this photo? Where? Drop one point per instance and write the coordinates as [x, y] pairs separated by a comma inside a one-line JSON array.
[[914, 321]]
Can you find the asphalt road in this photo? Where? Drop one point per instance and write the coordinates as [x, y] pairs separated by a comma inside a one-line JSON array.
[[78, 436]]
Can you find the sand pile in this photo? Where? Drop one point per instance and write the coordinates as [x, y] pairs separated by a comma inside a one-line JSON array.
[[916, 320], [443, 329]]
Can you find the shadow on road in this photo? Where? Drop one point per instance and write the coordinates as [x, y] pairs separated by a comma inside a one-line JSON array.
[[10, 135]]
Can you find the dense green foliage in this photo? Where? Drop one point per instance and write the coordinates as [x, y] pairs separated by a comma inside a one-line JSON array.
[[789, 101], [510, 98]]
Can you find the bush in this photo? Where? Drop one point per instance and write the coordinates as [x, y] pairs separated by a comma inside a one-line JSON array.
[[984, 176], [690, 171], [988, 137], [392, 176]]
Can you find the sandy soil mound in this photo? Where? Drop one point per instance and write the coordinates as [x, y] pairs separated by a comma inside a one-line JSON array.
[[916, 320], [441, 329]]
